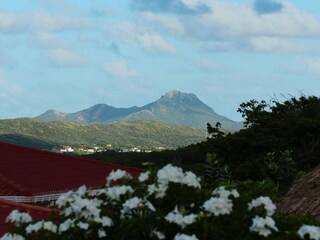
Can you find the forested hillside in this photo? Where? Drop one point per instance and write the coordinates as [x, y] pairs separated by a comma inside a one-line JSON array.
[[149, 134]]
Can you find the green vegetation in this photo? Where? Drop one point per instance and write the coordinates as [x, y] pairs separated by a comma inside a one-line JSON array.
[[281, 142], [144, 134]]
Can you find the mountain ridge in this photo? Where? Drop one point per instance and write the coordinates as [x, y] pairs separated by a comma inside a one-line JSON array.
[[175, 107]]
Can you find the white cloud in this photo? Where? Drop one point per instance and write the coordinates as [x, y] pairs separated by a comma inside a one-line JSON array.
[[6, 60], [167, 22], [45, 22], [210, 46], [65, 58], [61, 5], [313, 65], [9, 91], [48, 40], [149, 41], [231, 25], [229, 20], [12, 23], [207, 65], [193, 4], [270, 44], [119, 69]]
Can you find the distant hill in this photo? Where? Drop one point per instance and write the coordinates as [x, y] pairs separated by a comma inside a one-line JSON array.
[[174, 107], [34, 133]]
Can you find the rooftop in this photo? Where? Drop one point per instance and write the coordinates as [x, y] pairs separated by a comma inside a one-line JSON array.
[[30, 172]]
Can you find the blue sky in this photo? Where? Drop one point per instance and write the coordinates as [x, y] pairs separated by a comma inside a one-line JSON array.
[[70, 55]]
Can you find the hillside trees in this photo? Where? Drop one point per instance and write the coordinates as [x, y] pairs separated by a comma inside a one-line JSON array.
[[292, 126]]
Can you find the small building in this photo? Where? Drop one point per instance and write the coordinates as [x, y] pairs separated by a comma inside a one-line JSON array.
[[67, 150]]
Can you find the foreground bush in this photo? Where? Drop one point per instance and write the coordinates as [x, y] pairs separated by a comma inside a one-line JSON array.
[[167, 204]]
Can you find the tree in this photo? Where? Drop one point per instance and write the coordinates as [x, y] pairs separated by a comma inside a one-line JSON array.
[[292, 125]]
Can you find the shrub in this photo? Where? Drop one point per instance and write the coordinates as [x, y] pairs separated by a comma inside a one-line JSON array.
[[164, 204]]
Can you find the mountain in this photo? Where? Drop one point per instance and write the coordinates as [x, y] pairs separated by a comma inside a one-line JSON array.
[[100, 113], [147, 134], [174, 107]]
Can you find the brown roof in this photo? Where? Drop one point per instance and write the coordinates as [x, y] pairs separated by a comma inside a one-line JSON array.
[[304, 196]]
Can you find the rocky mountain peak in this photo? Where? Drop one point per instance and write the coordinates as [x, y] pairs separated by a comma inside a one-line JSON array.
[[175, 95]]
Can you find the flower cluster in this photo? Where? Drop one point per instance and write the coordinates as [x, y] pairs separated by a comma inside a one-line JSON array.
[[167, 204], [312, 231], [18, 218], [221, 204], [263, 225], [117, 175], [9, 236], [114, 193], [176, 175], [50, 226], [134, 203], [181, 220], [265, 202], [185, 237]]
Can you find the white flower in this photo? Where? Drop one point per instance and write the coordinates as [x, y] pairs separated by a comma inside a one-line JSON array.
[[67, 211], [50, 226], [266, 202], [223, 193], [83, 207], [82, 190], [9, 236], [129, 205], [101, 233], [144, 176], [83, 225], [263, 226], [105, 221], [181, 220], [158, 234], [18, 218], [34, 227], [152, 189], [170, 173], [116, 191], [190, 179], [116, 175], [218, 206], [132, 203], [66, 225], [160, 190], [149, 205], [185, 237], [312, 231], [64, 199]]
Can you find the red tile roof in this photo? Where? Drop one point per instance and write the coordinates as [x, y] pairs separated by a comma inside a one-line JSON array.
[[29, 172]]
